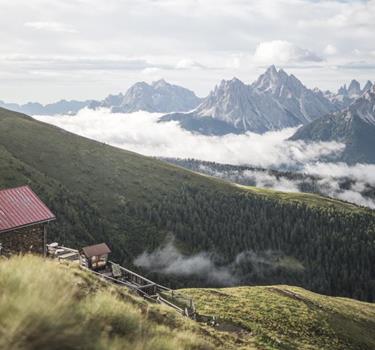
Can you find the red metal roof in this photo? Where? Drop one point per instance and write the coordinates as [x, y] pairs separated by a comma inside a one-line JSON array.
[[21, 207]]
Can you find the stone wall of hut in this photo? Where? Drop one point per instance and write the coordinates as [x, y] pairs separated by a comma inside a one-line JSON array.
[[24, 240]]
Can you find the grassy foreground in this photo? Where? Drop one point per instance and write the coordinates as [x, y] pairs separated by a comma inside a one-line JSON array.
[[47, 305], [284, 317]]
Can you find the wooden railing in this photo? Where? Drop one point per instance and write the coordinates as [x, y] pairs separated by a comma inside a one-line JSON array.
[[114, 273]]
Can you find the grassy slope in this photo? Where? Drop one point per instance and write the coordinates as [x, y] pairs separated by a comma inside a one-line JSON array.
[[282, 321], [45, 305], [89, 186], [310, 199], [70, 158]]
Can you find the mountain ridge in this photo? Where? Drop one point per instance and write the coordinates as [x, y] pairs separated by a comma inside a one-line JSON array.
[[274, 101], [353, 126]]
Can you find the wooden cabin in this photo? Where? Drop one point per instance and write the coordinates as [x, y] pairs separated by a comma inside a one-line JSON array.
[[96, 256], [23, 221]]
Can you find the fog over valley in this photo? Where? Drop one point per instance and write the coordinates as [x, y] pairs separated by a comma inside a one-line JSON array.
[[142, 133]]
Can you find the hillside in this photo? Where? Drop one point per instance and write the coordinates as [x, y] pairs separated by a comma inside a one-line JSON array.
[[137, 204], [289, 181], [47, 305], [284, 317]]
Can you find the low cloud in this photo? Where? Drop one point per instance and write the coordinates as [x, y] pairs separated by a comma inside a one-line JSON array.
[[168, 260], [140, 132], [349, 183], [283, 52], [247, 266]]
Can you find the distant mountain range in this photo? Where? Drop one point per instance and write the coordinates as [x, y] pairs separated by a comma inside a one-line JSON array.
[[346, 95], [60, 107], [276, 100], [354, 126], [160, 97]]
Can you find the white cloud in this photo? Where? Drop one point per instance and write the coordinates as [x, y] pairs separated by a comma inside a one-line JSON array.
[[187, 63], [362, 172], [283, 52], [330, 50], [140, 132], [168, 260], [51, 26], [221, 34]]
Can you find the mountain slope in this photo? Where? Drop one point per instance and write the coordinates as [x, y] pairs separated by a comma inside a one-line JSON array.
[[284, 317], [45, 305], [136, 204], [159, 96], [305, 104], [354, 126], [275, 101]]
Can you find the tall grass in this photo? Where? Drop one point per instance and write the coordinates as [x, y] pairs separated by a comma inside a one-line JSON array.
[[44, 305]]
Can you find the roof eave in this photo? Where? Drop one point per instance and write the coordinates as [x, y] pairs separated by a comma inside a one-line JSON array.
[[27, 225]]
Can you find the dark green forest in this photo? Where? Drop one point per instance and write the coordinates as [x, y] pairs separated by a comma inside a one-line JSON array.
[[135, 203], [242, 174]]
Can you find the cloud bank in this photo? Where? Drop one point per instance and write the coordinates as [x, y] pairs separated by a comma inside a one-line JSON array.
[[349, 183], [140, 132]]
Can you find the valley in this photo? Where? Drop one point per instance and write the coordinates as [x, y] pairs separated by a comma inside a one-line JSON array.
[[187, 175], [138, 204]]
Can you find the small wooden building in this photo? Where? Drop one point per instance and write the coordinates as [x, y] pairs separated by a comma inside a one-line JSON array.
[[96, 256], [23, 221]]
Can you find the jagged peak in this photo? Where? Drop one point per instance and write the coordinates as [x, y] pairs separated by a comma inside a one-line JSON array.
[[271, 69], [342, 90], [367, 86], [354, 84], [159, 83], [231, 82]]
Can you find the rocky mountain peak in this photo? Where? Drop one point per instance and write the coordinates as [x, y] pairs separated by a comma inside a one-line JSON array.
[[278, 82], [367, 86], [354, 88], [159, 83]]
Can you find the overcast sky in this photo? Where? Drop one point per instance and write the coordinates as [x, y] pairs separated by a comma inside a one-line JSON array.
[[53, 49]]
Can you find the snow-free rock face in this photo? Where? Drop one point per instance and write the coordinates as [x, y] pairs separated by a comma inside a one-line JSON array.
[[159, 96], [275, 101], [353, 126], [347, 95], [305, 104], [245, 108]]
